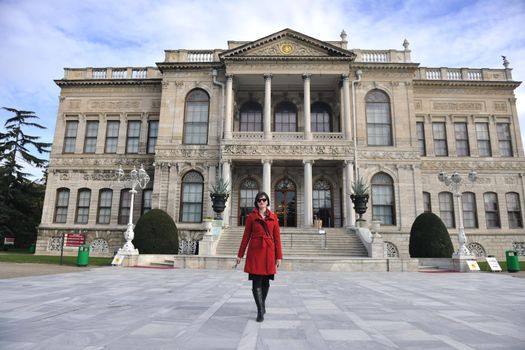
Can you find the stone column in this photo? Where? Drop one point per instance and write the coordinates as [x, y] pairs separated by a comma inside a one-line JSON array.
[[342, 122], [228, 118], [308, 204], [267, 177], [346, 108], [349, 178], [267, 122], [307, 116], [226, 176]]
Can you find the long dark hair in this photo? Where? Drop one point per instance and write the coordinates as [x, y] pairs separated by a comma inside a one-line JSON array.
[[259, 195]]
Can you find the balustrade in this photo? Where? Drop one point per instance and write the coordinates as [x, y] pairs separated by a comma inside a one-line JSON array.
[[200, 56]]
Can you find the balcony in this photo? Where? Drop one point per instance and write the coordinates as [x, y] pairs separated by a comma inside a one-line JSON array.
[[192, 56], [382, 56], [286, 136], [464, 74], [111, 73]]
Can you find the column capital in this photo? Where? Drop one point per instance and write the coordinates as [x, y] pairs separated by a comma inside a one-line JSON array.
[[348, 162], [224, 161], [267, 76], [345, 76], [228, 76], [307, 76], [266, 161], [308, 161]]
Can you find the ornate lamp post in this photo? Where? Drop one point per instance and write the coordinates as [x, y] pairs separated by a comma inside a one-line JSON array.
[[136, 178], [454, 182]]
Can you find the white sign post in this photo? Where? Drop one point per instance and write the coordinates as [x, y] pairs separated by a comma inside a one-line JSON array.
[[493, 264]]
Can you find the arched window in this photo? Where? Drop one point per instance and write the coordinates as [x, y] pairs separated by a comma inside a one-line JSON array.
[[446, 209], [105, 198], [427, 205], [321, 117], [61, 205], [191, 199], [196, 118], [251, 117], [124, 206], [146, 200], [285, 117], [383, 199], [491, 210], [247, 193], [514, 210], [378, 119], [470, 212], [83, 200], [322, 202]]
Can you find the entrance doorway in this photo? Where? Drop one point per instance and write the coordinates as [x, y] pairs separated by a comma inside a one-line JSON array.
[[286, 203]]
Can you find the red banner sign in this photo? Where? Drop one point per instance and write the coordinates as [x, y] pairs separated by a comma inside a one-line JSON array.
[[74, 239]]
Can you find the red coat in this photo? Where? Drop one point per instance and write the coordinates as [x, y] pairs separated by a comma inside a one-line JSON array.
[[263, 251]]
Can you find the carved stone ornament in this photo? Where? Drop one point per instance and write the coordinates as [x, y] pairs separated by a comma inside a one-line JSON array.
[[479, 165], [287, 47]]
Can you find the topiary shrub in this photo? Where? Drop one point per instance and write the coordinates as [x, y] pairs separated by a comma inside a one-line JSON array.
[[429, 238], [156, 233]]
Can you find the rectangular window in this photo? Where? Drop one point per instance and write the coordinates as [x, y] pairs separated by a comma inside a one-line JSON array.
[[192, 202], [462, 145], [112, 130], [504, 140], [153, 132], [124, 207], [146, 201], [84, 197], [104, 206], [61, 206], [470, 215], [440, 139], [514, 210], [491, 210], [70, 136], [90, 143], [482, 134], [427, 207], [420, 128], [446, 209], [132, 144]]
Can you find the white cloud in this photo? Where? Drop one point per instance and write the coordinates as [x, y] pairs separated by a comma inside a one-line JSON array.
[[40, 38]]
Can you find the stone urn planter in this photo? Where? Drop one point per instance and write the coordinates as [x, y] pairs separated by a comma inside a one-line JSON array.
[[219, 194], [360, 197]]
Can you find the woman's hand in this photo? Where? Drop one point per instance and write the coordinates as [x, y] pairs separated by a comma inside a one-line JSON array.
[[238, 260], [278, 262]]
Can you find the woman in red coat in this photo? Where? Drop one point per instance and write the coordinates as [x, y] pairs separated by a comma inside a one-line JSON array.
[[263, 238]]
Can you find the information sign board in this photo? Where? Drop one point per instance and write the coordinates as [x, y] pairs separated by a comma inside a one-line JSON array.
[[74, 239], [493, 264]]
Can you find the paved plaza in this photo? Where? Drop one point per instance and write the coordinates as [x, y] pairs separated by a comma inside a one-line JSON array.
[[139, 308]]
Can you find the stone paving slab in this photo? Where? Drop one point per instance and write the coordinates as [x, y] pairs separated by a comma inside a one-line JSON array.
[[133, 308]]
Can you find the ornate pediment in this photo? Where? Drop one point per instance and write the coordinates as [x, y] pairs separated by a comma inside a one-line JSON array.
[[287, 44]]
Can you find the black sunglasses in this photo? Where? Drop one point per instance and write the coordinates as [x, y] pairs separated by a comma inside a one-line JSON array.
[[262, 200]]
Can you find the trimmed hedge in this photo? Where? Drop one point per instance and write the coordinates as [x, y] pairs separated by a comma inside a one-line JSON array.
[[429, 238], [156, 233]]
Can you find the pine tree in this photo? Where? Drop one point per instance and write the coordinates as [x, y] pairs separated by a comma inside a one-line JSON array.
[[20, 198]]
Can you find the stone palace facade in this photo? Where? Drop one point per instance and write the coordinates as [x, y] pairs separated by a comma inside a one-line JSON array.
[[298, 118]]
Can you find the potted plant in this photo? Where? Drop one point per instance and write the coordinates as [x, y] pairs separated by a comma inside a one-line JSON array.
[[360, 197], [219, 194]]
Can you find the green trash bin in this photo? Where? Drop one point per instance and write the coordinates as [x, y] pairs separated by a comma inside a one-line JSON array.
[[32, 248], [513, 263], [83, 255]]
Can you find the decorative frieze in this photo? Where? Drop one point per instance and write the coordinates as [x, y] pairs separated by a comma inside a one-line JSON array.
[[452, 165], [105, 162], [113, 105], [500, 106], [458, 106]]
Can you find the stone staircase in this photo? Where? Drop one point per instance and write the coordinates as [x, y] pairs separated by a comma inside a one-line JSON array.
[[301, 242]]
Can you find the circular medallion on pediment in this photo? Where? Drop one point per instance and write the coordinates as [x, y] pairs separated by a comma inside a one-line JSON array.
[[286, 48]]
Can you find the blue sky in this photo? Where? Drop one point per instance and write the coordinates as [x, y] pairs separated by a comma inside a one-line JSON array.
[[40, 38]]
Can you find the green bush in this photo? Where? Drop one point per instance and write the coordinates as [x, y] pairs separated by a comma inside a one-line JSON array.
[[156, 233], [429, 238]]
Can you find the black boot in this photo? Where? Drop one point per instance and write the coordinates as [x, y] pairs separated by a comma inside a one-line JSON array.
[[264, 294], [258, 296]]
